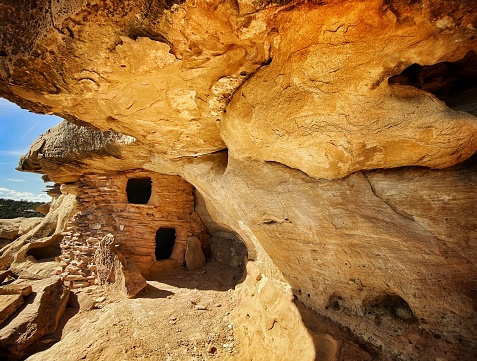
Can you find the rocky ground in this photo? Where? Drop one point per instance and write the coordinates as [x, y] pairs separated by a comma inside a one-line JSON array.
[[334, 138], [11, 229], [184, 315]]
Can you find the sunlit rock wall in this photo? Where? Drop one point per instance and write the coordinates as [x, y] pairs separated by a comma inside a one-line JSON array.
[[284, 116]]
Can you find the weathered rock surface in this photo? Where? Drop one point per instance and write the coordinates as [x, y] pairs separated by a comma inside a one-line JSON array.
[[42, 241], [16, 289], [350, 244], [315, 94], [12, 228], [9, 303], [39, 317], [72, 150], [265, 317], [194, 256], [327, 88], [324, 106], [128, 280]]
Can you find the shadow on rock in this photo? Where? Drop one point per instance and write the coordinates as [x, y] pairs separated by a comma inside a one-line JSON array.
[[153, 292]]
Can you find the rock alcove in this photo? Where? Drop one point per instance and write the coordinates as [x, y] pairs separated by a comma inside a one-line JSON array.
[[336, 139]]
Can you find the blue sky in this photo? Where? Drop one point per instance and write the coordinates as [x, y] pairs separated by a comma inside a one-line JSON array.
[[18, 129]]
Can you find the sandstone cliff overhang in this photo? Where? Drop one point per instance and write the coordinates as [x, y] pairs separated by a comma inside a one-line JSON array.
[[304, 84], [282, 116], [68, 150]]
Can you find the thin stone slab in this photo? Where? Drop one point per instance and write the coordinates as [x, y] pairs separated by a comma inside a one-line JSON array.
[[4, 275], [8, 305], [194, 255], [23, 290]]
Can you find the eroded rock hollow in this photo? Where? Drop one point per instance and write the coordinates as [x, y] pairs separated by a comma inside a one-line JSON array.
[[335, 138]]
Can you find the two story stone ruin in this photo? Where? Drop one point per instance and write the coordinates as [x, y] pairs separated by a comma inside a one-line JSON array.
[[151, 216]]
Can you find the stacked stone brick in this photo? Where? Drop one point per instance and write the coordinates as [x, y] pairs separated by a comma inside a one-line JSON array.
[[77, 266], [104, 208]]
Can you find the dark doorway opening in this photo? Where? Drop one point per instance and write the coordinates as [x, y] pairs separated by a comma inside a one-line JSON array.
[[165, 238], [139, 190]]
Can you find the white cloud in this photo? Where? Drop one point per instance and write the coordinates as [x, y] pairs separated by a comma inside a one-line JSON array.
[[27, 196], [15, 180]]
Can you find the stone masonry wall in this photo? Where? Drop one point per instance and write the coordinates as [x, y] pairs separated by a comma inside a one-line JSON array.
[[104, 208]]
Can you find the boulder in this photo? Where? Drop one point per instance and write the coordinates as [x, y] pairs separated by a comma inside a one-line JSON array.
[[40, 316], [194, 255], [128, 280]]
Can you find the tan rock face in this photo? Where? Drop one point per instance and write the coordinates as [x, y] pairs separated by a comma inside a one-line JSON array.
[[275, 321], [13, 289], [67, 151], [376, 248], [39, 317], [389, 254], [9, 303], [314, 97], [12, 228], [120, 71], [324, 106]]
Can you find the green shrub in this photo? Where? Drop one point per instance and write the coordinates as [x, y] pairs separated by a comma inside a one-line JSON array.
[[13, 209]]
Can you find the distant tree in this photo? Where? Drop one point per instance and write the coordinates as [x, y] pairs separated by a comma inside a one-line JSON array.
[[13, 209]]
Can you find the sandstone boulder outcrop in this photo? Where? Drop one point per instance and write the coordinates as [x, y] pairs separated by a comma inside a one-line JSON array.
[[12, 298], [12, 228], [39, 317], [16, 289], [8, 305], [128, 280], [40, 243]]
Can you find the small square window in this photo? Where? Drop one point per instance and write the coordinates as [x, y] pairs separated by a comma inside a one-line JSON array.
[[139, 190]]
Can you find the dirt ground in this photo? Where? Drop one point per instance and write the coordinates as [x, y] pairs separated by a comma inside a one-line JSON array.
[[183, 315]]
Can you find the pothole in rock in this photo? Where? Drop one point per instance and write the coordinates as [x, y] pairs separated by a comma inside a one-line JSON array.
[[455, 83], [389, 305]]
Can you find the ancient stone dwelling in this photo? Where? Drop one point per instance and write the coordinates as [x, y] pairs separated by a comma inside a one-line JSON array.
[[150, 215]]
